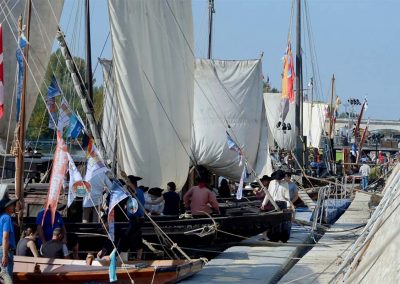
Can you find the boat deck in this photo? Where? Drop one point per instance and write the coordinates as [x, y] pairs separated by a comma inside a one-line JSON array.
[[321, 263], [255, 261]]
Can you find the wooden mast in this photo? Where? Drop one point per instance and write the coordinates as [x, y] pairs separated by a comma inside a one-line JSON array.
[[19, 161], [331, 110], [211, 11], [300, 145]]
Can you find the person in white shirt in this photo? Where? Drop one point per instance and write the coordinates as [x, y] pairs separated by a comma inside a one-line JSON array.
[[365, 170], [279, 191]]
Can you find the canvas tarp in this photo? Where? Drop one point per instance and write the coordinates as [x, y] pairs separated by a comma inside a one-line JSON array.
[[153, 66]]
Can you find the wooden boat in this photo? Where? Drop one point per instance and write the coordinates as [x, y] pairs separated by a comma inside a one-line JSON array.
[[45, 270]]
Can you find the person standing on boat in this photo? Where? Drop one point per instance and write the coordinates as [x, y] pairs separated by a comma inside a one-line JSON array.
[[279, 191], [365, 170], [27, 244], [199, 198], [7, 245], [131, 239]]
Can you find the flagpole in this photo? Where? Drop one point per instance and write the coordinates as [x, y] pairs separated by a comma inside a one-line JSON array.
[[211, 11], [19, 161]]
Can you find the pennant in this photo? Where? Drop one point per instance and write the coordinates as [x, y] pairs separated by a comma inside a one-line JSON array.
[[52, 92], [75, 126], [64, 115], [239, 192], [77, 187], [234, 147], [1, 74], [288, 75], [117, 194], [60, 164], [20, 66], [112, 270]]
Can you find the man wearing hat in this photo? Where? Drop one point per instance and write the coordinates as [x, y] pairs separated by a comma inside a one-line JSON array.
[[131, 239], [154, 201], [7, 241], [279, 191]]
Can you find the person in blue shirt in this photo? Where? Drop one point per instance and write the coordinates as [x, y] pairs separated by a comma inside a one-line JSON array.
[[131, 239], [45, 230], [7, 240]]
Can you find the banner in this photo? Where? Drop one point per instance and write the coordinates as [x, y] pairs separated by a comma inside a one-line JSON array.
[[20, 65], [58, 171], [63, 115], [117, 194], [77, 187], [1, 74], [239, 192], [288, 75], [52, 92], [75, 126]]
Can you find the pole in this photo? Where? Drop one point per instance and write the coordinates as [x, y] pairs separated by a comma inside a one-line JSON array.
[[331, 107], [299, 89], [19, 161], [211, 11], [89, 78]]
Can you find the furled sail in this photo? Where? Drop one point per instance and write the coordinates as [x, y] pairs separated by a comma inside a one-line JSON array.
[[43, 27], [228, 92], [109, 119], [313, 122], [153, 65]]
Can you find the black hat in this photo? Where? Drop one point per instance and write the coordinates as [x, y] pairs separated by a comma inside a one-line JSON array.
[[144, 188], [278, 175], [5, 202], [133, 178], [266, 177], [156, 191]]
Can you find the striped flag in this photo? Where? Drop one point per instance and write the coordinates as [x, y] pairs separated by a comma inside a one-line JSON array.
[[1, 74], [20, 64]]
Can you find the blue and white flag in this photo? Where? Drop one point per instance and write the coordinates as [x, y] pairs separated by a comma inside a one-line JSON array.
[[239, 192], [75, 126], [52, 92], [112, 269], [64, 114], [354, 150], [117, 194], [234, 147], [20, 67], [75, 181]]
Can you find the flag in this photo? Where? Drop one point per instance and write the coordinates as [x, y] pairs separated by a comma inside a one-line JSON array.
[[52, 92], [234, 147], [354, 149], [95, 164], [60, 164], [335, 113], [239, 192], [64, 114], [112, 270], [1, 74], [77, 187], [288, 75], [75, 126], [20, 66], [117, 194]]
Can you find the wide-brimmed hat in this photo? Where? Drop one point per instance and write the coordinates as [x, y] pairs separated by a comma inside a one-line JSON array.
[[133, 178], [266, 177], [156, 191], [278, 175], [5, 202]]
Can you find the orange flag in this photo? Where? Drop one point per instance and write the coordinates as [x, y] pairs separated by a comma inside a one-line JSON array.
[[288, 75]]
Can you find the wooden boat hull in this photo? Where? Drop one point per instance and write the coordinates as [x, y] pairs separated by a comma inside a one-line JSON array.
[[76, 271]]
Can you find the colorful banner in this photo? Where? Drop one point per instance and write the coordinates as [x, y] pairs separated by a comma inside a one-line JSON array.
[[60, 164], [77, 187], [52, 92], [1, 74], [117, 194], [64, 114], [95, 165], [288, 75], [20, 67], [75, 126]]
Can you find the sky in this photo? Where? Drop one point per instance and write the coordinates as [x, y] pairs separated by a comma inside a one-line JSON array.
[[357, 40]]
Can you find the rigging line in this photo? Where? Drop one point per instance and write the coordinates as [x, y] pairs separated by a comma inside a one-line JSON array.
[[169, 119], [102, 50], [290, 21]]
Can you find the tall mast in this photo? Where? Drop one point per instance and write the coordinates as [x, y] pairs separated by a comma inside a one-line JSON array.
[[211, 11], [331, 107], [89, 78], [299, 89], [19, 161]]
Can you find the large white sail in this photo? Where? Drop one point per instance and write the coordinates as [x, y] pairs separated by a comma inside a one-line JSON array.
[[153, 64], [228, 92], [44, 23], [109, 118], [313, 121]]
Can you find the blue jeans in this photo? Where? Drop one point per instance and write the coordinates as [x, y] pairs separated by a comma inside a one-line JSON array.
[[10, 266], [364, 183]]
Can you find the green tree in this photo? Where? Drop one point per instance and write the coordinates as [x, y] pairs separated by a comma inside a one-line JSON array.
[[38, 124]]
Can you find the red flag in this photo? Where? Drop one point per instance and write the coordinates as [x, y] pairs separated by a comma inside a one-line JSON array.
[[288, 75], [60, 164], [1, 74]]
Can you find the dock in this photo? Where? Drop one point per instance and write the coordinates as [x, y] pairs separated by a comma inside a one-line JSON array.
[[321, 263]]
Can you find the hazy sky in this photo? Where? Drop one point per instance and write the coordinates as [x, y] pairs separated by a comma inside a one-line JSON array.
[[357, 40]]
